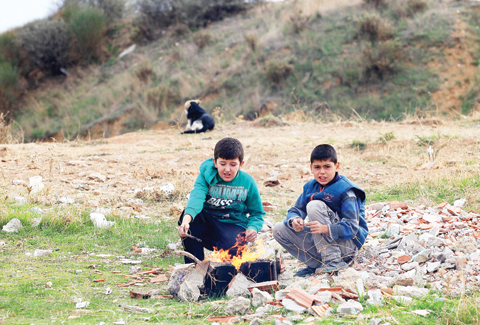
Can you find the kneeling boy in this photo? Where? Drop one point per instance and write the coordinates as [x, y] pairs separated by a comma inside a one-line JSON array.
[[335, 207], [224, 209]]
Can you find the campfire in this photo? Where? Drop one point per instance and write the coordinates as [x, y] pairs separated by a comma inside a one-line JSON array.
[[244, 253], [215, 275]]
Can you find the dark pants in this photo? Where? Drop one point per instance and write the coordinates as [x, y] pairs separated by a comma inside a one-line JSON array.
[[213, 233]]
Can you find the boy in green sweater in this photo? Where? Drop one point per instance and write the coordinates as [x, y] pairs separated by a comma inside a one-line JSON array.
[[224, 209]]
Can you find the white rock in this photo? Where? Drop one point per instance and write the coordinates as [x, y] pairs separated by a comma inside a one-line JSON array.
[[35, 184], [324, 296], [167, 189], [360, 286], [350, 307], [410, 291], [13, 225], [99, 220], [98, 177], [127, 51], [129, 261], [393, 230], [66, 200], [433, 266], [409, 266], [83, 304], [239, 286], [432, 218], [375, 297], [17, 182], [460, 203], [20, 200], [260, 297], [42, 252], [291, 305], [36, 210], [238, 305], [403, 299]]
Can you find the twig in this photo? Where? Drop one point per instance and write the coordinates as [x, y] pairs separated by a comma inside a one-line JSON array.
[[187, 254]]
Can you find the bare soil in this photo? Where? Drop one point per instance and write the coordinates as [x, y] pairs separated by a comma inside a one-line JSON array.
[[156, 158]]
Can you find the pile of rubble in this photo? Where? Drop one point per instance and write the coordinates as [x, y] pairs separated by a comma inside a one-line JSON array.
[[409, 251]]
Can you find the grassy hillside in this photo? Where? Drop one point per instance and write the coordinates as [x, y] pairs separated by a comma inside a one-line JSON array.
[[370, 59]]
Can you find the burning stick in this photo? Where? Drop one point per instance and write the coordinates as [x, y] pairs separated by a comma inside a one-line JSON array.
[[193, 237]]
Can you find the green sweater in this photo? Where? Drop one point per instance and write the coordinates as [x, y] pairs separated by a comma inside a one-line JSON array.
[[229, 202]]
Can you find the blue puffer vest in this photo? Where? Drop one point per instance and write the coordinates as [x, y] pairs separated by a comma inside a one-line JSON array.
[[332, 194]]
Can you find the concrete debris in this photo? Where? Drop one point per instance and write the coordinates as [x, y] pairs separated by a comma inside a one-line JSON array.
[[260, 297], [13, 225], [66, 200], [350, 307], [291, 305], [239, 286], [238, 305]]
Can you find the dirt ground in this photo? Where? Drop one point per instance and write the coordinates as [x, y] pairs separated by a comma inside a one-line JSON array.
[[156, 158]]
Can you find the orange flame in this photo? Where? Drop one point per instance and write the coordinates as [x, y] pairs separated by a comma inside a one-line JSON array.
[[244, 254]]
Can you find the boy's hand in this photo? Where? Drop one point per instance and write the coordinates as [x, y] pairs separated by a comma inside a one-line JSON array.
[[297, 224], [317, 228], [185, 226], [250, 235]]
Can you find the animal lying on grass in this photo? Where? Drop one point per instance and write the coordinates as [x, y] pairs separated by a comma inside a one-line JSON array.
[[198, 119]]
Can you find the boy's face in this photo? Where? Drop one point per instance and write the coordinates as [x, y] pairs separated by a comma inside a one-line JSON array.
[[324, 171], [227, 168]]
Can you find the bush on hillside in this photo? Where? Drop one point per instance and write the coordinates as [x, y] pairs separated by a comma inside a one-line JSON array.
[[9, 85], [112, 9], [47, 44], [202, 39], [87, 27], [409, 8], [156, 15], [277, 70], [9, 48], [373, 27], [376, 3], [382, 59]]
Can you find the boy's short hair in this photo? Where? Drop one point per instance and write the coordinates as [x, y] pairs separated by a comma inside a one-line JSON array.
[[228, 148], [323, 152]]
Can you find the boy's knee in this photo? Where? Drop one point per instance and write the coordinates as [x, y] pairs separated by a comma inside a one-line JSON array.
[[316, 206], [279, 229]]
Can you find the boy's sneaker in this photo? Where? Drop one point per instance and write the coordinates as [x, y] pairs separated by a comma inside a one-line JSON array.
[[306, 271], [332, 266]]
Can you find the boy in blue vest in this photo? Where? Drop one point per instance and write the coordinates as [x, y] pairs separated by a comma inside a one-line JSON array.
[[224, 210], [336, 227]]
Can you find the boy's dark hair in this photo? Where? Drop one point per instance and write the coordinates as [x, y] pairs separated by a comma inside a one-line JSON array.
[[228, 148], [323, 152]]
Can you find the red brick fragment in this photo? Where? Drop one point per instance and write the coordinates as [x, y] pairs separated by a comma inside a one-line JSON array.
[[403, 259]]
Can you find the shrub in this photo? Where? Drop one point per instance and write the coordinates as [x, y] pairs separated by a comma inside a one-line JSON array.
[[384, 138], [202, 39], [9, 48], [251, 40], [298, 22], [374, 27], [160, 14], [278, 70], [9, 85], [415, 6], [376, 3], [162, 97], [87, 27], [358, 145], [47, 44], [382, 59], [112, 9]]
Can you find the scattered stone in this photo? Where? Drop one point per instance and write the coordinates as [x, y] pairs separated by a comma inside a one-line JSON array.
[[66, 200], [350, 307], [291, 305], [42, 252], [20, 200], [393, 230], [375, 297], [35, 184], [375, 321], [13, 225], [98, 177], [239, 286], [410, 291], [260, 297], [35, 222], [81, 305], [433, 266], [99, 220], [466, 245], [134, 269], [78, 271], [239, 305], [129, 261]]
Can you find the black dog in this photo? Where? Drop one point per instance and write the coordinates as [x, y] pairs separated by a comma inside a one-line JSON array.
[[198, 119]]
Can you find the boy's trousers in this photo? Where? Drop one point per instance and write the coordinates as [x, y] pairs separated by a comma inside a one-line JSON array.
[[213, 233], [319, 249]]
